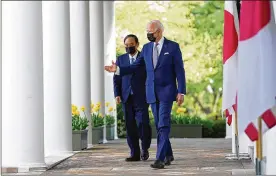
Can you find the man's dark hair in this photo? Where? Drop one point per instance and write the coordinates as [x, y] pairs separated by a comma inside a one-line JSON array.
[[131, 35]]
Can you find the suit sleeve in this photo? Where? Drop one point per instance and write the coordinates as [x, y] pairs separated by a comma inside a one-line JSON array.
[[139, 62], [117, 82], [179, 70]]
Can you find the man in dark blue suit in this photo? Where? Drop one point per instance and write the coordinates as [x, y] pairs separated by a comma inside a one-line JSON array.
[[165, 83], [130, 89]]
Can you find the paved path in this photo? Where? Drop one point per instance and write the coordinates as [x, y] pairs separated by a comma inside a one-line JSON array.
[[192, 157]]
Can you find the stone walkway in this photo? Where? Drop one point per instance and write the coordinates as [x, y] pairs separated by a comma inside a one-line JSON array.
[[192, 157]]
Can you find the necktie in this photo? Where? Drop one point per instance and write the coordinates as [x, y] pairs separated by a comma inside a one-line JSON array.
[[155, 55], [131, 61]]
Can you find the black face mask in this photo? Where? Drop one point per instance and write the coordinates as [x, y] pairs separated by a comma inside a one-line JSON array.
[[131, 50], [151, 37]]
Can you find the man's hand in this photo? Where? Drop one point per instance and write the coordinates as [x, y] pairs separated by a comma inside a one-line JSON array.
[[111, 68], [118, 99], [179, 99]]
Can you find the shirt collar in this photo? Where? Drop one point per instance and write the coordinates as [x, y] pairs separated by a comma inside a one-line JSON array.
[[134, 56], [161, 41]]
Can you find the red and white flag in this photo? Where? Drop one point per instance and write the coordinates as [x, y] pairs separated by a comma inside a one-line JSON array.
[[257, 67], [230, 58]]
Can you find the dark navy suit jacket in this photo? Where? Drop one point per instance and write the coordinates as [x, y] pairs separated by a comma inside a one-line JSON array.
[[164, 82], [134, 81]]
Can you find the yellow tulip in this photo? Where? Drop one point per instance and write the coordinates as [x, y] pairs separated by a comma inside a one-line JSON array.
[[101, 115], [96, 109], [110, 109], [107, 104], [92, 105], [74, 108], [77, 113], [82, 108], [74, 112], [181, 110]]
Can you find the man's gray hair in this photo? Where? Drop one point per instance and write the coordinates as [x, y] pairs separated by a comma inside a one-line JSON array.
[[158, 24]]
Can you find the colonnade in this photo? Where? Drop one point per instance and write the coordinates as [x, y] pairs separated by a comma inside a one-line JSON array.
[[53, 56]]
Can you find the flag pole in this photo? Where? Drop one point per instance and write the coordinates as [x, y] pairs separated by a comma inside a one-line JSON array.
[[237, 136], [238, 5], [259, 145]]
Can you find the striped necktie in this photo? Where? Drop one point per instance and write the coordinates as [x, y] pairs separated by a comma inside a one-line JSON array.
[[155, 55]]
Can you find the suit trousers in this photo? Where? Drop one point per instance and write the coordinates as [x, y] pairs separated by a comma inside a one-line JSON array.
[[162, 117], [137, 125]]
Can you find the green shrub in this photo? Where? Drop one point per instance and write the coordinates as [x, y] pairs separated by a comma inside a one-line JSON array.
[[207, 128], [219, 129], [109, 119], [97, 120], [211, 128], [79, 123], [121, 128]]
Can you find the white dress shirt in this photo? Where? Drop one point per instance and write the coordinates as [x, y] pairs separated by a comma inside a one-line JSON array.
[[134, 57], [160, 45]]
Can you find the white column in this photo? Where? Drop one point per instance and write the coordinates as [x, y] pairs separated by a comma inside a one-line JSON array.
[[57, 77], [271, 152], [23, 138], [80, 58], [244, 143], [97, 54], [109, 53]]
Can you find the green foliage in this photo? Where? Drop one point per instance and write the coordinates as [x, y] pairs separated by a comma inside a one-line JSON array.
[[212, 128], [219, 129], [109, 119], [79, 123], [187, 120], [97, 120], [211, 15], [121, 128]]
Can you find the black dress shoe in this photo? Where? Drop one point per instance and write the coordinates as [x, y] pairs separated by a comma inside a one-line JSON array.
[[133, 158], [158, 164], [168, 160], [145, 156]]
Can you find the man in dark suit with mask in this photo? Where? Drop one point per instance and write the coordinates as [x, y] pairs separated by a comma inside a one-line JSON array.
[[130, 89], [165, 84]]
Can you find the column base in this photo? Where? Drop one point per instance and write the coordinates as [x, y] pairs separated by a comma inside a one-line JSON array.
[[105, 141], [228, 137], [53, 160], [50, 162], [36, 167], [89, 146], [243, 172], [242, 156]]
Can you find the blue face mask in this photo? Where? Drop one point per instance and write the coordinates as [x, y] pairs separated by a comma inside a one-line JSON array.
[[131, 50]]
